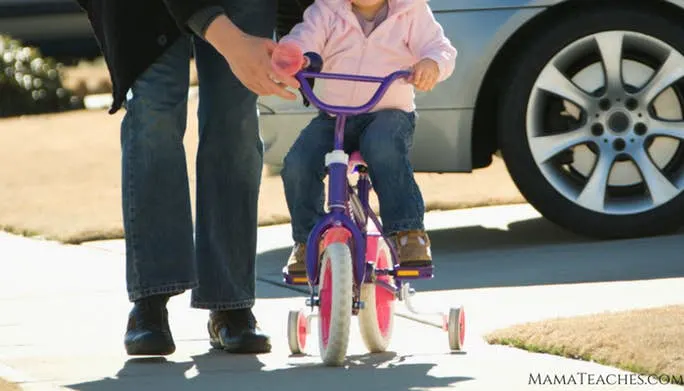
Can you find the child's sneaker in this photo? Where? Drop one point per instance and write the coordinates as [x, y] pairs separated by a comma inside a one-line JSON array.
[[296, 263], [413, 248]]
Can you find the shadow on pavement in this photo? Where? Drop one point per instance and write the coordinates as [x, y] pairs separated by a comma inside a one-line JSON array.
[[217, 370], [530, 252]]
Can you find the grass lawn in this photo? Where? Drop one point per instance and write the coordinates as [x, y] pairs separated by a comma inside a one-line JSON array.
[[61, 178], [91, 77], [7, 386], [648, 341]]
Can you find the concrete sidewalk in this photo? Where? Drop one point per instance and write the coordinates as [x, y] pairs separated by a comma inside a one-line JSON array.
[[63, 311]]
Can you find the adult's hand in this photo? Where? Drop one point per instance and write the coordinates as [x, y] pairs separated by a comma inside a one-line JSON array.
[[249, 58]]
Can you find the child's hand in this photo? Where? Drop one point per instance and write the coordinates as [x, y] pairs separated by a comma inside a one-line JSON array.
[[424, 74]]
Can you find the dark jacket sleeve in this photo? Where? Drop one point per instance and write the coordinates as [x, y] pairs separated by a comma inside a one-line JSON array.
[[199, 12], [201, 19], [83, 4]]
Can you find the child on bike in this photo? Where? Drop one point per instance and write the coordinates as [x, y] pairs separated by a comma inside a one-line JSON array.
[[367, 37]]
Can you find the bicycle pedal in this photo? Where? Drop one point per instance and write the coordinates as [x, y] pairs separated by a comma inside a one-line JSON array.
[[294, 280], [313, 302], [413, 273]]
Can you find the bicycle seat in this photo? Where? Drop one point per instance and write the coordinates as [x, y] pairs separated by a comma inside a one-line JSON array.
[[356, 161]]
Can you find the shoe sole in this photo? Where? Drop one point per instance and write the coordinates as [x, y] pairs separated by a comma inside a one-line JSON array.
[[156, 347], [410, 264], [249, 344]]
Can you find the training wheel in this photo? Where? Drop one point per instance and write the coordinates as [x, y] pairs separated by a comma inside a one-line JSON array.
[[297, 330], [456, 328]]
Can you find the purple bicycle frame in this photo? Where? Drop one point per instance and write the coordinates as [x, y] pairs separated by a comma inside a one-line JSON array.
[[338, 187]]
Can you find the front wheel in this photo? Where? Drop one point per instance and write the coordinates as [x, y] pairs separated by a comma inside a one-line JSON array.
[[335, 303], [591, 124]]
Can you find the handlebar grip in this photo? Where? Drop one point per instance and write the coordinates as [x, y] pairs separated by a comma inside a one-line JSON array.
[[316, 66], [315, 62]]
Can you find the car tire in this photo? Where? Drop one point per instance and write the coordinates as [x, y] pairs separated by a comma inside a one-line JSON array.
[[289, 14], [513, 129]]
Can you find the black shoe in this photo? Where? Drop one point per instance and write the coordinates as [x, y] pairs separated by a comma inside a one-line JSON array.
[[148, 332], [236, 331]]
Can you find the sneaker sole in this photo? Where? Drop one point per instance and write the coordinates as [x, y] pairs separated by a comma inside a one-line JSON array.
[[150, 347], [249, 344]]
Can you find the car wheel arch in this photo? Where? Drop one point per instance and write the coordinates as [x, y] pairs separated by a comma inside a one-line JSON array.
[[484, 142]]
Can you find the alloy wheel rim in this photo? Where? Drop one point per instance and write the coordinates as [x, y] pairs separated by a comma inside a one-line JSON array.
[[622, 151]]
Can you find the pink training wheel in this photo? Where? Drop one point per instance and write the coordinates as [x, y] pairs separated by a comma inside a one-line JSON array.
[[298, 329], [456, 328], [287, 58]]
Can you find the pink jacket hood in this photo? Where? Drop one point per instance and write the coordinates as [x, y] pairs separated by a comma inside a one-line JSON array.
[[408, 34], [396, 6]]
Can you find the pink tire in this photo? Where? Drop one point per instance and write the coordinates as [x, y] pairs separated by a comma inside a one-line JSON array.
[[335, 303], [376, 319]]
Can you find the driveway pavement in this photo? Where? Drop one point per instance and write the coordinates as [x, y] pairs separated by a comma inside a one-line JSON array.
[[63, 311]]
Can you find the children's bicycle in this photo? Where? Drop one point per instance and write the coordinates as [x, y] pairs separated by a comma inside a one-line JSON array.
[[352, 268]]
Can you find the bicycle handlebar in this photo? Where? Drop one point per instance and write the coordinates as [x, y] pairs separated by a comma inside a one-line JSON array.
[[384, 82]]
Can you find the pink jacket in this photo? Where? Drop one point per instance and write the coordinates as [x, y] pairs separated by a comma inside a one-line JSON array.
[[410, 33]]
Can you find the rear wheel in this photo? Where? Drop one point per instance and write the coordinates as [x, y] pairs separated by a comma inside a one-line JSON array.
[[335, 303], [376, 319], [592, 122]]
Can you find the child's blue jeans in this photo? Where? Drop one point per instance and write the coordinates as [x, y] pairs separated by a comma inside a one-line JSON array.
[[384, 139]]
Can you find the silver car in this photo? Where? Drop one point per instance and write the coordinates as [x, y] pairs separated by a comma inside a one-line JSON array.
[[583, 99], [58, 27]]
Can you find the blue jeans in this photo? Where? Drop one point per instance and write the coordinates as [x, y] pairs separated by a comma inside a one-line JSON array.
[[384, 139], [162, 257]]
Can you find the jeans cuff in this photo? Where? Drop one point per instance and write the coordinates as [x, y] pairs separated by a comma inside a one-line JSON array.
[[403, 225], [223, 306], [169, 289], [301, 237]]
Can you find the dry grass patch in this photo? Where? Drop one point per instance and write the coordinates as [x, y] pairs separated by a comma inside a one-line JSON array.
[[88, 77], [7, 386], [649, 342], [92, 77], [61, 178]]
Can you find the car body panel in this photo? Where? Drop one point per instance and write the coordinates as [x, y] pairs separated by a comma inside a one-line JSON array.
[[58, 27], [442, 142], [678, 3]]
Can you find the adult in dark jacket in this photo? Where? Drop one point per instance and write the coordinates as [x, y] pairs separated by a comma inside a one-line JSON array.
[[147, 46]]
